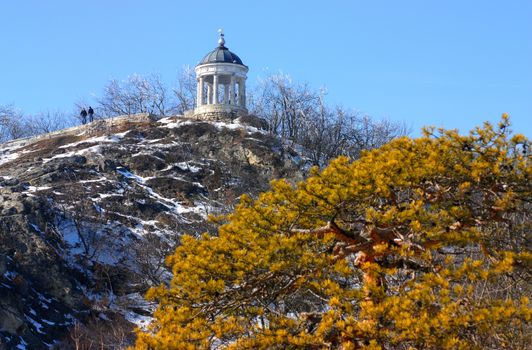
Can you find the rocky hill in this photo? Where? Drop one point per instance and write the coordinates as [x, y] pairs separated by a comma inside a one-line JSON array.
[[88, 214]]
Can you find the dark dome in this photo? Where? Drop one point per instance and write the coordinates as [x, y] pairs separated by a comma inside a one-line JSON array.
[[219, 55]]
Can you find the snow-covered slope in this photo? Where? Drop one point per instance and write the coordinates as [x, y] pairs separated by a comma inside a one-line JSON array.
[[88, 214]]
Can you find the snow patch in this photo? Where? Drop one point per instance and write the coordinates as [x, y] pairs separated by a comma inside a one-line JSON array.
[[101, 139], [8, 158], [95, 180], [37, 325], [70, 234], [166, 120], [139, 320], [200, 209], [171, 124], [50, 323], [22, 345], [135, 300], [130, 175], [188, 167], [32, 189], [93, 149], [236, 125]]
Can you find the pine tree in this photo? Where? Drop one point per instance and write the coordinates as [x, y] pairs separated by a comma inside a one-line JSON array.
[[421, 244]]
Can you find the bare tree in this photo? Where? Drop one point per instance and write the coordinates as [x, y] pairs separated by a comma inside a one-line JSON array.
[[87, 221], [137, 94], [185, 91], [46, 122], [12, 124], [99, 334], [365, 133], [324, 134], [299, 114], [85, 224], [150, 253], [159, 96], [284, 104]]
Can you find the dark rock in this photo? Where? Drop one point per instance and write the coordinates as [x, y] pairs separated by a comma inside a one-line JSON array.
[[9, 182], [20, 187], [10, 321], [145, 162], [173, 188]]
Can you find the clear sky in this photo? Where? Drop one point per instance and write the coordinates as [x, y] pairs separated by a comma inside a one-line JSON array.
[[444, 63]]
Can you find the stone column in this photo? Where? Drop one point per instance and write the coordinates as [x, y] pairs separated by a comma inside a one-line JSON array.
[[209, 93], [240, 92], [200, 96], [243, 92], [215, 91], [226, 94], [232, 90]]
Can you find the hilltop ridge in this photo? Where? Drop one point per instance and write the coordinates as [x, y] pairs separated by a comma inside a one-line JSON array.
[[87, 214]]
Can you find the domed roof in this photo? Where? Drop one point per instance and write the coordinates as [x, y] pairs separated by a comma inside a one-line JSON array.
[[221, 54]]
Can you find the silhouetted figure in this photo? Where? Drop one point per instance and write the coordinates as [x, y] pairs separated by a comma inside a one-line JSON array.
[[91, 114], [83, 115]]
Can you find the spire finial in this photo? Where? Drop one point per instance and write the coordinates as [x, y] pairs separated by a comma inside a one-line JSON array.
[[221, 41]]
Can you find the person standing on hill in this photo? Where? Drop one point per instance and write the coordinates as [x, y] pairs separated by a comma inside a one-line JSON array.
[[91, 114], [83, 115]]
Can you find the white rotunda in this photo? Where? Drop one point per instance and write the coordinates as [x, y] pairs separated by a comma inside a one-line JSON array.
[[221, 78]]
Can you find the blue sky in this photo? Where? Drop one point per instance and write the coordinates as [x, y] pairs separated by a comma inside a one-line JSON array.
[[445, 63]]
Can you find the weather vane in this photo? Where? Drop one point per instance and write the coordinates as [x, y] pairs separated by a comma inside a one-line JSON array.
[[221, 41]]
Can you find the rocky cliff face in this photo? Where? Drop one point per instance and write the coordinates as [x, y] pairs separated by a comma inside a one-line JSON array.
[[88, 214]]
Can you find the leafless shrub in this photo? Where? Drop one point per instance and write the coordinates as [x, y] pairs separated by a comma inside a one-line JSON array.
[[185, 91], [46, 122], [284, 104], [137, 94], [11, 124], [14, 124], [96, 333], [298, 114], [150, 254]]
